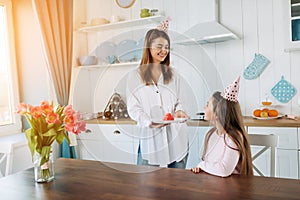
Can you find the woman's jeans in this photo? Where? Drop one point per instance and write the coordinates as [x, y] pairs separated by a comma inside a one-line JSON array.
[[180, 164]]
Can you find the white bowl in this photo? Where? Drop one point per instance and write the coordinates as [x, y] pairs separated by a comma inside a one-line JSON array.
[[88, 60]]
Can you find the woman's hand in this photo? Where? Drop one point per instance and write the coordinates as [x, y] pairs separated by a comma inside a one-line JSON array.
[[196, 170], [157, 125]]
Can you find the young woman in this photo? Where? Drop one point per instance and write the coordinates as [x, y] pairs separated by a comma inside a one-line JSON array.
[[226, 147], [153, 89]]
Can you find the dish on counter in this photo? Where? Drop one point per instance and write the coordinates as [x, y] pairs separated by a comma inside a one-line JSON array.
[[176, 120], [267, 118]]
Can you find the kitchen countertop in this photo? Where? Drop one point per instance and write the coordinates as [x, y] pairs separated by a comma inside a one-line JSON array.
[[248, 121]]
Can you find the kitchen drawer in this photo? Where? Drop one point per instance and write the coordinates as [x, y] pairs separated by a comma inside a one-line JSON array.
[[110, 132], [288, 138], [95, 134], [117, 133]]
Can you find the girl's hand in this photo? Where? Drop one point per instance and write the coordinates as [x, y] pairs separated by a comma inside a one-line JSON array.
[[196, 170]]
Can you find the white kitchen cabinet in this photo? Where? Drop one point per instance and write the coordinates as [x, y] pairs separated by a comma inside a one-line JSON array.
[[196, 145], [107, 142], [286, 159]]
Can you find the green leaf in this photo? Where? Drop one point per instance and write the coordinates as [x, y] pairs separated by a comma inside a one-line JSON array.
[[45, 153], [51, 132], [31, 141]]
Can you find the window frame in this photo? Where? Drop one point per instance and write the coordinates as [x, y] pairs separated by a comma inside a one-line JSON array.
[[16, 125]]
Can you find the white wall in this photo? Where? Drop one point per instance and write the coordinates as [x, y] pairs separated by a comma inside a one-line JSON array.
[[260, 26]]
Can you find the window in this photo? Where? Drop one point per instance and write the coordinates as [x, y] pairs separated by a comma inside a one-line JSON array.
[[295, 19], [9, 121]]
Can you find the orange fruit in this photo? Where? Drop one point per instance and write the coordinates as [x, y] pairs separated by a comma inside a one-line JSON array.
[[257, 112], [265, 110], [273, 113]]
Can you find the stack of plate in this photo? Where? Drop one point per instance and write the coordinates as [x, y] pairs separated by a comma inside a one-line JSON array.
[[106, 52], [126, 51]]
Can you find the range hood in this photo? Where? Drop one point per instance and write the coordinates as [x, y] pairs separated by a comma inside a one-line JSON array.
[[205, 32]]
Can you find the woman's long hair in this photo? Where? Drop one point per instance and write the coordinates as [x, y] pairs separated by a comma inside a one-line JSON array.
[[147, 61], [230, 117]]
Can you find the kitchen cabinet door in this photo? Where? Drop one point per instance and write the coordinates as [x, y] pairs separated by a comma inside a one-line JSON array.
[[118, 143], [286, 159], [287, 164], [90, 149], [196, 145], [109, 143]]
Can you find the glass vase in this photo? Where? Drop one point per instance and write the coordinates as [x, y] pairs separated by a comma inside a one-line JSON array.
[[43, 172]]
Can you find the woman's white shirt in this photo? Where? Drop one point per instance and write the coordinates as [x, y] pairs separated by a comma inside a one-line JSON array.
[[160, 146]]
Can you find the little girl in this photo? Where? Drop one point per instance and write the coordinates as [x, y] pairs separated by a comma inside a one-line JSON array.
[[226, 148]]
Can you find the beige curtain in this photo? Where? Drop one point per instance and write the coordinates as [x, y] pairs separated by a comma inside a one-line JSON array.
[[55, 18]]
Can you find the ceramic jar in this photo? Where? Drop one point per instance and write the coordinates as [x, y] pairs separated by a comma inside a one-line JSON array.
[[144, 13]]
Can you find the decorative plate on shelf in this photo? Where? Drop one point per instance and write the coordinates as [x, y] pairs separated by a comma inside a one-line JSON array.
[[105, 50], [126, 51]]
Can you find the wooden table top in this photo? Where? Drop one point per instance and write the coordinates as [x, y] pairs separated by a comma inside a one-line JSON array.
[[79, 179], [248, 121]]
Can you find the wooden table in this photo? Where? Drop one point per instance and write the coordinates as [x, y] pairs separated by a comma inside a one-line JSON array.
[[78, 179]]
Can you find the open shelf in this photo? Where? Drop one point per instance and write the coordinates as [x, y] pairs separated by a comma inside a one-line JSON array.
[[127, 64], [123, 24]]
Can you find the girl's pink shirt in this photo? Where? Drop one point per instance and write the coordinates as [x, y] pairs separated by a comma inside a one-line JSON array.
[[220, 159]]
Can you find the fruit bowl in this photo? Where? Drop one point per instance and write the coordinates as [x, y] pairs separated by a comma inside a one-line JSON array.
[[266, 103], [265, 113]]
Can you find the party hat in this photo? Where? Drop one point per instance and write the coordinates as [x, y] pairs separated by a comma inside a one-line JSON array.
[[164, 25], [231, 91]]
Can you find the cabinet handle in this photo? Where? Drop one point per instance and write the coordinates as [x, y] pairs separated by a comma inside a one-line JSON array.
[[117, 132], [88, 131]]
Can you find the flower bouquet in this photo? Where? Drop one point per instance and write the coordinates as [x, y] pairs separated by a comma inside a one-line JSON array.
[[47, 124]]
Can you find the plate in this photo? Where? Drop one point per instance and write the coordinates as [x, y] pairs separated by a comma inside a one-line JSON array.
[[267, 118], [126, 50], [176, 120], [106, 50]]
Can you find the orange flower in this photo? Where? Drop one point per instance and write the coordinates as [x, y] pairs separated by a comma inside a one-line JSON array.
[[52, 118], [36, 111], [69, 119], [46, 107], [22, 108]]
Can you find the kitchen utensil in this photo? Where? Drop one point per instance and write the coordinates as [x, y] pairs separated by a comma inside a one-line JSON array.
[[283, 91]]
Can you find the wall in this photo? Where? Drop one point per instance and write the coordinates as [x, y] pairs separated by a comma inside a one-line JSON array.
[[31, 64], [259, 24]]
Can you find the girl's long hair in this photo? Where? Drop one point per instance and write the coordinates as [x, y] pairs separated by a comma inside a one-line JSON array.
[[147, 61], [230, 117]]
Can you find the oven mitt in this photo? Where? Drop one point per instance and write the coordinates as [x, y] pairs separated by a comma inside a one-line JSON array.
[[256, 67], [283, 91]]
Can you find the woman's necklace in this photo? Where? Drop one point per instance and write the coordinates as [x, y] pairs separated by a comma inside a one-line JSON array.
[[157, 90]]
